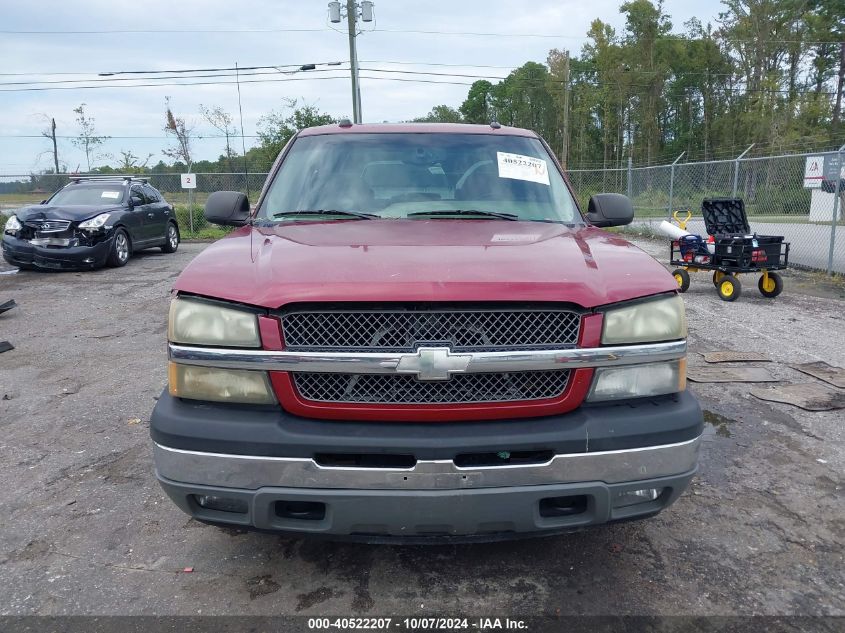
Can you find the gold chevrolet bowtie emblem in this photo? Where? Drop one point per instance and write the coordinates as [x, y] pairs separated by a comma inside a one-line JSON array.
[[433, 363]]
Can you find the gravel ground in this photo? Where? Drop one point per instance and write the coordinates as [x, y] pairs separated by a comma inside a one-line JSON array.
[[86, 529]]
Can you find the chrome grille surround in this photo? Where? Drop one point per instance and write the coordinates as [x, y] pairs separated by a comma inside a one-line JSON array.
[[403, 330], [403, 389], [48, 225]]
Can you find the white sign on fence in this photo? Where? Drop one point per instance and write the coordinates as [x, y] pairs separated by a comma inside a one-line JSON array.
[[189, 181], [813, 172]]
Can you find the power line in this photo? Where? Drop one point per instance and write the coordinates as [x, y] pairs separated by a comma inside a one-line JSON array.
[[677, 36], [517, 81]]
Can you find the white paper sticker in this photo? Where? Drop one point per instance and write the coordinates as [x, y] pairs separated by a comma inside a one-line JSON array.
[[112, 195], [521, 167], [515, 237]]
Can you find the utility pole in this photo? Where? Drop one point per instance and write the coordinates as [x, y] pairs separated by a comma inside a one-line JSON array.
[[351, 25], [565, 143], [366, 15]]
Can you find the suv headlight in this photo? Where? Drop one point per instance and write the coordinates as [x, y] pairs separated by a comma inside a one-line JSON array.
[[195, 322], [652, 321], [97, 222], [13, 225]]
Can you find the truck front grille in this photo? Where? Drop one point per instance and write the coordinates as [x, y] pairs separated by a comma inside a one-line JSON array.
[[403, 330], [404, 389]]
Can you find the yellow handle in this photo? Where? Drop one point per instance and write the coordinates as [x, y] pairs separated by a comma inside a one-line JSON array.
[[682, 223]]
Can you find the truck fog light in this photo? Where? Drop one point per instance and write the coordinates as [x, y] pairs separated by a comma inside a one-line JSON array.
[[637, 381], [633, 497], [219, 385], [222, 504]]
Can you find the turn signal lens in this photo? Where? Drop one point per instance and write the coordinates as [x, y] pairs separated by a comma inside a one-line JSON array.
[[638, 381], [219, 385]]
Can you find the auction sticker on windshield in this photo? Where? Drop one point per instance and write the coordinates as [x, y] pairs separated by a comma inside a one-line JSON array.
[[112, 195], [519, 167]]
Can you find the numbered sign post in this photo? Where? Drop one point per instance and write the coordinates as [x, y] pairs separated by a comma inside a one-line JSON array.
[[189, 182]]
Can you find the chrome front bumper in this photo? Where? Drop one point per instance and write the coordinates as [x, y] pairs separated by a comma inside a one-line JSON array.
[[253, 472]]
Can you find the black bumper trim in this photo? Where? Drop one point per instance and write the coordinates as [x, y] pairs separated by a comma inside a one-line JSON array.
[[427, 515], [270, 431]]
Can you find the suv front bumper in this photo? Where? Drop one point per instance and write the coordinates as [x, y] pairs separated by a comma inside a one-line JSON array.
[[263, 459], [22, 253]]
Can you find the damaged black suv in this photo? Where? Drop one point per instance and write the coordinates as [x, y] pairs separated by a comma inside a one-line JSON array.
[[89, 223]]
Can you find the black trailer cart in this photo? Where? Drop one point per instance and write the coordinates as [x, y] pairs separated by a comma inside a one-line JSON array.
[[734, 251]]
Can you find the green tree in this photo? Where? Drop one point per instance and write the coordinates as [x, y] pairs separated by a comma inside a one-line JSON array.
[[478, 106], [441, 114], [277, 128]]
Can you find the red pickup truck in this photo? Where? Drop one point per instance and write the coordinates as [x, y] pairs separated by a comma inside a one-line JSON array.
[[417, 335]]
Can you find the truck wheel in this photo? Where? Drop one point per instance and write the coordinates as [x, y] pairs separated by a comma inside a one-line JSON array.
[[682, 277], [171, 240], [729, 288], [119, 254], [770, 285]]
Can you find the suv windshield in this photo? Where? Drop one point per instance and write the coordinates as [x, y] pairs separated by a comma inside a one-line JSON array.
[[89, 195], [425, 175]]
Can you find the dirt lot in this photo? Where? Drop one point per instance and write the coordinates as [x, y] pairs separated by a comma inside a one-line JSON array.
[[86, 529]]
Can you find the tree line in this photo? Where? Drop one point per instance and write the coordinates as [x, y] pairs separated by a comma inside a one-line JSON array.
[[769, 72]]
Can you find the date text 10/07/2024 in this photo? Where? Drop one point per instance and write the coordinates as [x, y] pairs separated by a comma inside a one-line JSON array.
[[418, 624]]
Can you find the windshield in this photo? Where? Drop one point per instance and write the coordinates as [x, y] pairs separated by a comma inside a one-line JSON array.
[[89, 195], [422, 176]]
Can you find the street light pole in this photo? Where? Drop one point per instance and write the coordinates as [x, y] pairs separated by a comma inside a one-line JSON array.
[[352, 26]]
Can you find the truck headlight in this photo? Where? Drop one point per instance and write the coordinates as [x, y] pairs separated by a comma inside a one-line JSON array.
[[97, 222], [638, 381], [13, 225], [196, 322], [219, 385], [646, 322]]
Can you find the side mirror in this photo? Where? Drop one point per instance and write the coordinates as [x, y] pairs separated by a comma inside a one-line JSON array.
[[227, 208], [135, 201], [43, 202], [610, 209]]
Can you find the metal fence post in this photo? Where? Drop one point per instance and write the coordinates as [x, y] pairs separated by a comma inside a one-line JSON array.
[[837, 192], [191, 208], [630, 187], [672, 181], [736, 169]]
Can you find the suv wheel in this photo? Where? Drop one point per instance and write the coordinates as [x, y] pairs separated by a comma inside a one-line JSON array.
[[171, 242], [119, 254]]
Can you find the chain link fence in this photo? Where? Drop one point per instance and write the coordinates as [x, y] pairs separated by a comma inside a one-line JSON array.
[[773, 188]]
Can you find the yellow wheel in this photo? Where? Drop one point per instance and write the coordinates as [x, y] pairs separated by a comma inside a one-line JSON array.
[[770, 285], [717, 277], [682, 277], [729, 288]]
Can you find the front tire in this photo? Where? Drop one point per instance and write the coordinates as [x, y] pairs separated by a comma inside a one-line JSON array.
[[729, 288], [682, 277], [171, 239], [771, 285], [120, 249]]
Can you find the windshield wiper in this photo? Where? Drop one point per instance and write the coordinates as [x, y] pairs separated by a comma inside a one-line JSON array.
[[475, 212], [309, 212]]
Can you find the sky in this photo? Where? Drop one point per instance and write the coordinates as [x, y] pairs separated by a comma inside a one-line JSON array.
[[188, 34]]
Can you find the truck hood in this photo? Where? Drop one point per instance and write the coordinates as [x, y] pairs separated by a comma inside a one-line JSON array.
[[423, 260], [74, 213]]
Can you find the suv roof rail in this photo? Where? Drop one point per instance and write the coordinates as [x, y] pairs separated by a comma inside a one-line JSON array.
[[95, 178]]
